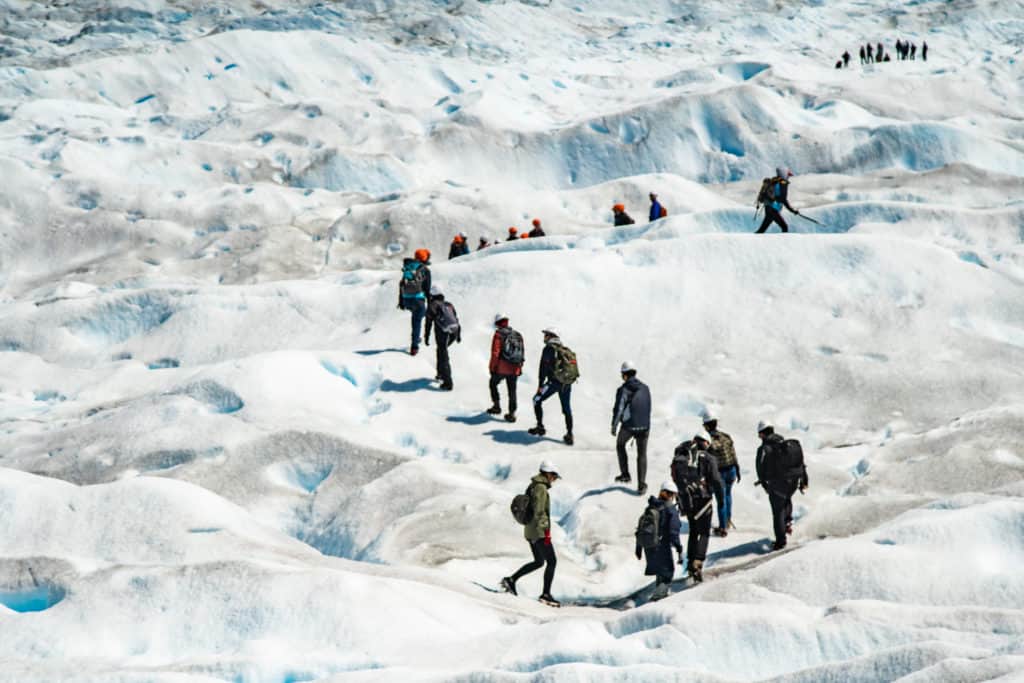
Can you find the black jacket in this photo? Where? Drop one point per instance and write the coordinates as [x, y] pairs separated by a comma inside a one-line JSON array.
[[785, 483], [623, 218], [659, 560], [687, 458], [632, 406], [537, 232], [458, 249], [545, 373]]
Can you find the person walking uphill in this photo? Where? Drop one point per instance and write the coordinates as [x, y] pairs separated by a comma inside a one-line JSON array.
[[459, 247], [657, 535], [657, 210], [774, 195], [620, 215], [442, 317], [557, 372], [533, 509], [781, 471], [724, 452], [412, 292], [632, 410], [537, 230], [507, 357], [696, 474]]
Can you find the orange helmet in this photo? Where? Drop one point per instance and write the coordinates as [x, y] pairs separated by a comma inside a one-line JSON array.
[[513, 230], [457, 239], [536, 222], [524, 235], [619, 207], [422, 255]]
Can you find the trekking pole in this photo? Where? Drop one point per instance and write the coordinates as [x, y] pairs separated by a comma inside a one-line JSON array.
[[808, 218]]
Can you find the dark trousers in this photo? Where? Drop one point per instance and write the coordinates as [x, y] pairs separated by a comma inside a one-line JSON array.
[[510, 384], [782, 513], [772, 216], [542, 554], [700, 532], [444, 367], [625, 434], [564, 394]]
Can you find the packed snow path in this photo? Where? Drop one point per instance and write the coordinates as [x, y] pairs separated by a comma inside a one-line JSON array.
[[218, 462]]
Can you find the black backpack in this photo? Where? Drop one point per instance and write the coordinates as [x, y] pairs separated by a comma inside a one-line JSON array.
[[694, 491], [447, 319], [522, 507], [414, 274], [512, 347], [648, 531], [784, 461]]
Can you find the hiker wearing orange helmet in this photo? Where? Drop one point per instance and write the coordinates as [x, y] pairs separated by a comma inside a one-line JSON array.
[[621, 217], [513, 234], [774, 194], [412, 292], [460, 247], [537, 230]]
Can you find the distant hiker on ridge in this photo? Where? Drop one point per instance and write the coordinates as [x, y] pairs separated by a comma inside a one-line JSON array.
[[879, 53], [781, 471], [507, 356], [871, 56], [657, 210], [537, 230], [774, 194], [621, 217], [913, 50], [537, 531], [459, 246], [632, 410], [556, 374], [924, 52], [412, 292], [696, 474], [863, 56], [441, 316], [513, 234], [657, 535], [483, 243], [846, 58]]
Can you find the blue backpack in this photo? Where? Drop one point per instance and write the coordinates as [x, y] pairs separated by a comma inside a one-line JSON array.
[[413, 277]]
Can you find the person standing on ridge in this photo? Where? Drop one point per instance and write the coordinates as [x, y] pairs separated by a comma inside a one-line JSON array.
[[863, 56], [696, 474], [442, 317], [483, 243], [774, 195], [460, 247], [507, 356], [657, 210], [537, 230], [724, 452], [620, 215], [412, 292], [513, 234], [924, 51], [556, 375], [871, 54], [632, 410], [879, 53], [657, 535], [781, 471], [538, 534], [913, 51], [846, 58]]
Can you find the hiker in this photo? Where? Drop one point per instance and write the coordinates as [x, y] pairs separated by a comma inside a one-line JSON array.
[[839, 63], [657, 210], [483, 243], [887, 58], [507, 356], [871, 55], [524, 235], [460, 247], [621, 217], [556, 374], [657, 534], [633, 411], [722, 449], [774, 195], [696, 474], [863, 58], [924, 51], [513, 234], [412, 292], [913, 50], [846, 58], [442, 317], [879, 53], [781, 471], [899, 49], [537, 230], [538, 534]]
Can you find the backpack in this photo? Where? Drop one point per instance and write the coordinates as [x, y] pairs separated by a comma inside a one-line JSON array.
[[786, 461], [414, 274], [522, 507], [663, 213], [724, 450], [694, 491], [447, 320], [648, 532], [566, 371], [765, 194], [512, 348]]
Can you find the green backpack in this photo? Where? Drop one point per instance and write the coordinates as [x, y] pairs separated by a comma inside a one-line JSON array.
[[566, 371]]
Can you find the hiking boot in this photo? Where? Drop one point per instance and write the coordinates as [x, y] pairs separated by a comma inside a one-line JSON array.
[[568, 439], [537, 431], [510, 417], [414, 350], [721, 531], [660, 592], [789, 528], [623, 478], [548, 600], [778, 545], [697, 571], [494, 410], [509, 585], [641, 489], [446, 386]]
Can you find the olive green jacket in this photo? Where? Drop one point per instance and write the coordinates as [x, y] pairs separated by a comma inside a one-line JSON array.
[[540, 522]]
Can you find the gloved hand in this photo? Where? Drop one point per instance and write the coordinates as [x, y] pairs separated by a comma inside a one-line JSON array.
[[614, 430], [796, 212], [547, 537], [680, 556], [639, 553], [738, 477]]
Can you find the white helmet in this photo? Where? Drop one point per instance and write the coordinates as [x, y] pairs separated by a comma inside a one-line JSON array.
[[763, 425], [463, 235], [702, 436], [783, 172], [709, 417], [548, 467], [498, 317], [550, 329], [435, 290], [669, 485], [627, 366]]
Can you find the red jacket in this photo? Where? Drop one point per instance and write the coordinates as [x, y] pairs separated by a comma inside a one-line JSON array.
[[498, 365]]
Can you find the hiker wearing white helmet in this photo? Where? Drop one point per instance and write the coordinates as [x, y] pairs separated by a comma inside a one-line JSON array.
[[556, 375], [781, 471], [724, 452], [774, 194], [632, 410], [507, 357], [695, 473], [657, 534], [537, 532], [444, 321]]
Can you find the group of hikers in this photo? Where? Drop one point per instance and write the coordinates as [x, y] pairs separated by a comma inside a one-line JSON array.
[[872, 54], [703, 470]]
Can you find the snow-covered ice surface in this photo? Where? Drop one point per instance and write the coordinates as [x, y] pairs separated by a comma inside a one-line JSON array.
[[217, 462]]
